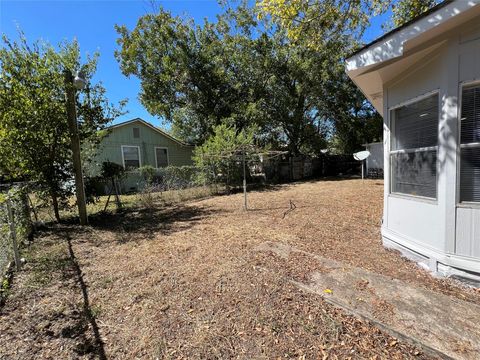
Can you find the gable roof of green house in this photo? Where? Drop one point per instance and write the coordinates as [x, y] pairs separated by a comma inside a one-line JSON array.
[[136, 143], [154, 128]]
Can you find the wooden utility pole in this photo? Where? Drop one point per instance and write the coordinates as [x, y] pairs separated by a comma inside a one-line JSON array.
[[75, 144]]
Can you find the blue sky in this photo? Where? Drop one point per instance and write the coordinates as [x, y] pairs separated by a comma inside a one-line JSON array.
[[92, 23]]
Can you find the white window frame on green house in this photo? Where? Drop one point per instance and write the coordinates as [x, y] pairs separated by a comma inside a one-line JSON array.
[[139, 155], [395, 151], [466, 85], [156, 157]]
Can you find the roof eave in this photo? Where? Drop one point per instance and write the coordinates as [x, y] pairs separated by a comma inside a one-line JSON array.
[[427, 25], [151, 127]]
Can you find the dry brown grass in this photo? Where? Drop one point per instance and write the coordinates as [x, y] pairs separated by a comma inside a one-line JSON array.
[[185, 281]]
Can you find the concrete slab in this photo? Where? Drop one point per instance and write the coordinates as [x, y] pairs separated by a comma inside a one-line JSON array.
[[441, 324]]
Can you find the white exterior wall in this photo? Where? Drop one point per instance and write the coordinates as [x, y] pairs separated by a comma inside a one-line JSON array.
[[418, 221], [436, 229]]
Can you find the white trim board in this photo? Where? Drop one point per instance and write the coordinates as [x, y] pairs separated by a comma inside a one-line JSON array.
[[425, 28]]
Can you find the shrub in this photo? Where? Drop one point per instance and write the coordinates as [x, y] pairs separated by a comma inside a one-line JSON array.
[[148, 173], [221, 156]]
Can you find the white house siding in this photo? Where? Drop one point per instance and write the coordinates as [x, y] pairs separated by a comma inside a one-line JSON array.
[[438, 229], [437, 53], [416, 220]]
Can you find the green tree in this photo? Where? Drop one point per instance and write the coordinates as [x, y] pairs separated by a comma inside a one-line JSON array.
[[219, 157], [34, 133], [196, 77], [353, 119], [406, 10], [236, 71], [315, 22], [242, 72]]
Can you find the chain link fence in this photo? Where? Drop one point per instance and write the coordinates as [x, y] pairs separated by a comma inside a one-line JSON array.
[[15, 224]]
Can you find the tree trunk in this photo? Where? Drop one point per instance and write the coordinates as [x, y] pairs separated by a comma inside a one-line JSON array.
[[55, 205]]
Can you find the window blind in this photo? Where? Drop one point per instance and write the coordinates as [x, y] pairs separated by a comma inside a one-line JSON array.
[[416, 125], [131, 157], [413, 157], [470, 145], [415, 173]]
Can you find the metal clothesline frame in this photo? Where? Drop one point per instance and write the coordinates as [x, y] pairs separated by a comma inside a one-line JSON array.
[[240, 151]]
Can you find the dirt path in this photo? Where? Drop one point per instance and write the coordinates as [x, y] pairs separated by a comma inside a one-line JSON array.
[[187, 282]]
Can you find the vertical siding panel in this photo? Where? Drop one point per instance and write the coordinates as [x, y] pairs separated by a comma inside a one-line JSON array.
[[476, 233], [464, 232]]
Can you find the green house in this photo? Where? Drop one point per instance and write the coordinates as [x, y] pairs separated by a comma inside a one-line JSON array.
[[136, 143]]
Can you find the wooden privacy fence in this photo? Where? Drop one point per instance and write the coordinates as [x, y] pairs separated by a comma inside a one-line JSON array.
[[15, 226], [295, 168]]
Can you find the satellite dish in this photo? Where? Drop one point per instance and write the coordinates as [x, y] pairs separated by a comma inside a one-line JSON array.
[[361, 155]]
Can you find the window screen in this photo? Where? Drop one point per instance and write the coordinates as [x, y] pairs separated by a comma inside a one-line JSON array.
[[470, 145], [413, 157], [131, 157], [136, 133], [162, 157]]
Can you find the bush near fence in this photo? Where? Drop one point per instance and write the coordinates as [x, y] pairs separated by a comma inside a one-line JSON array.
[[177, 177], [17, 196], [164, 179]]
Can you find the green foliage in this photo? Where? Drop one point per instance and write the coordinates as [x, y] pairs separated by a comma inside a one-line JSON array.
[[315, 23], [220, 156], [318, 22], [241, 72], [353, 118], [406, 10], [17, 197], [194, 76], [148, 173], [94, 185], [34, 132], [112, 170], [178, 177], [5, 285]]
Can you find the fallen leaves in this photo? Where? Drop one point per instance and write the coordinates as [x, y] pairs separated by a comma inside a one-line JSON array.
[[200, 289]]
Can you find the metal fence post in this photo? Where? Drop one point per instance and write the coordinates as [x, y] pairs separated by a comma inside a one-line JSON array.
[[13, 234]]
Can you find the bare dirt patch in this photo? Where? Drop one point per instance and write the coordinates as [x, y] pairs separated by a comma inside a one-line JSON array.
[[186, 281]]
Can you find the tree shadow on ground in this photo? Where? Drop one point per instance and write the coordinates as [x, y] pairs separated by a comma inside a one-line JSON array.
[[51, 276], [96, 344], [150, 222]]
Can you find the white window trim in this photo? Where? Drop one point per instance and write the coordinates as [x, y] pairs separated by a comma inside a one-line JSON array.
[[462, 85], [424, 149], [168, 155], [414, 150], [139, 154], [416, 99]]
